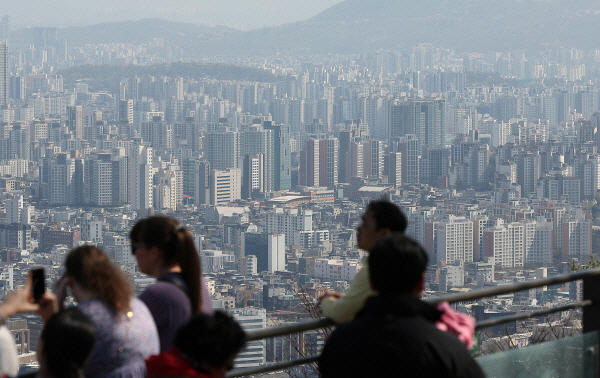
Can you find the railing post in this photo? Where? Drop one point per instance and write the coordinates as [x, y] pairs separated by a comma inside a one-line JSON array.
[[591, 313]]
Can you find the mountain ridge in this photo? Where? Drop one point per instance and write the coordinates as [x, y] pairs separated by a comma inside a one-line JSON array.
[[358, 26]]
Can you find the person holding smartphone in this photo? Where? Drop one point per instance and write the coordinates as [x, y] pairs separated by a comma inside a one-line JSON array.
[[22, 301], [126, 333]]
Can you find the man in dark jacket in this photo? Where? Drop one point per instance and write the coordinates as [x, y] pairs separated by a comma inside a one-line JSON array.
[[394, 334]]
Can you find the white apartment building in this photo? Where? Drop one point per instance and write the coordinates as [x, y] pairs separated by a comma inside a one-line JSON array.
[[254, 353], [577, 237], [61, 192], [7, 276], [13, 209], [122, 250], [451, 276], [514, 244], [276, 255], [335, 270], [310, 239], [58, 254], [450, 239], [289, 221], [213, 261], [250, 265], [223, 148], [168, 189], [91, 229], [225, 186], [102, 191], [141, 177]]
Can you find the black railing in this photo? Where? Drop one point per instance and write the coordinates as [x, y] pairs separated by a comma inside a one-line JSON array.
[[590, 305]]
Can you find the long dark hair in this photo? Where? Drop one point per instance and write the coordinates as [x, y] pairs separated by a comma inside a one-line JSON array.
[[177, 246], [68, 338], [94, 271]]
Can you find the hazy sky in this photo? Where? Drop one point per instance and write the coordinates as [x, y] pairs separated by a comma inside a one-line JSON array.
[[255, 13]]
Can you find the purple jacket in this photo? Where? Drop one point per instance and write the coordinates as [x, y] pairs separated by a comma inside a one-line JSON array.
[[170, 306]]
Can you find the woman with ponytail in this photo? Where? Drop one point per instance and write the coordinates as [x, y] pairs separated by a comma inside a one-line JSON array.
[[166, 251]]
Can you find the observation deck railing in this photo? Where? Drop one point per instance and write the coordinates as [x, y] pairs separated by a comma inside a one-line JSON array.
[[590, 305]]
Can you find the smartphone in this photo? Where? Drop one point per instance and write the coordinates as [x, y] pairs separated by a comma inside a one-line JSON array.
[[38, 284]]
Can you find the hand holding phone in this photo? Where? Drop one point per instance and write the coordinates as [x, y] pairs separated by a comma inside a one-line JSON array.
[[38, 284]]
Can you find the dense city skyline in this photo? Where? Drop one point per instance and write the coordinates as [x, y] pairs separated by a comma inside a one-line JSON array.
[[269, 157]]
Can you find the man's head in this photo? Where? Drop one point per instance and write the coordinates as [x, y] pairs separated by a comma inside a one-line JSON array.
[[211, 343], [397, 265], [380, 218]]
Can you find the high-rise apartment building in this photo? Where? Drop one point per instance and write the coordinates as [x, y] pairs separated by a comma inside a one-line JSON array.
[[425, 119], [141, 177], [450, 239], [373, 159], [408, 146], [253, 175], [62, 188], [126, 111], [289, 222], [528, 171], [517, 243], [255, 141], [75, 120], [13, 209], [308, 173], [282, 171], [157, 132], [202, 182], [276, 253], [3, 73], [223, 148], [225, 186], [5, 29]]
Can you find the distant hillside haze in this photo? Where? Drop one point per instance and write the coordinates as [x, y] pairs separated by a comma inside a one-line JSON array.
[[357, 26]]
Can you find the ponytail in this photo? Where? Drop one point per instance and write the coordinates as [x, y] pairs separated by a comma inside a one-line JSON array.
[[177, 246], [189, 261]]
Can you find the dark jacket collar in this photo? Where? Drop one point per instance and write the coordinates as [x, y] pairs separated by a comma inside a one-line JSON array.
[[401, 306]]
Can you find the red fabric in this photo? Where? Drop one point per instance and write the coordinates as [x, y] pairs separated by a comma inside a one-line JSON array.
[[171, 364], [462, 325]]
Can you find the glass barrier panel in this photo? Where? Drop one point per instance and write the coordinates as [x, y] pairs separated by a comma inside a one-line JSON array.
[[575, 356]]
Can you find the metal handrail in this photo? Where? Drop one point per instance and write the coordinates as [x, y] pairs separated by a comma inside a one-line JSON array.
[[271, 367], [307, 325], [531, 314], [452, 298], [463, 297], [479, 325], [310, 325]]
